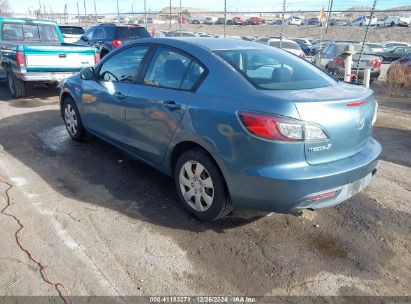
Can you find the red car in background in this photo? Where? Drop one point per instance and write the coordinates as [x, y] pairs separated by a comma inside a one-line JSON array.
[[254, 21], [237, 21]]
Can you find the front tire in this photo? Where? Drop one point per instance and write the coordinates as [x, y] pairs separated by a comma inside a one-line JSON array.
[[72, 120], [17, 87], [200, 186]]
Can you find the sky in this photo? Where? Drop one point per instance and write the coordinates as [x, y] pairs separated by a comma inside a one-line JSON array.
[[109, 6]]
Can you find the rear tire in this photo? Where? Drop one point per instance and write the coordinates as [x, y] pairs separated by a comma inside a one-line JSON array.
[[17, 87], [72, 120], [200, 186]]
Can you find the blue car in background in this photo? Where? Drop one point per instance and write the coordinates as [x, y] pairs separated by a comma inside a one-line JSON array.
[[305, 45], [236, 123]]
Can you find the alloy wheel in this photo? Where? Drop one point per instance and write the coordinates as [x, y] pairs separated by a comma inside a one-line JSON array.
[[70, 118], [196, 186]]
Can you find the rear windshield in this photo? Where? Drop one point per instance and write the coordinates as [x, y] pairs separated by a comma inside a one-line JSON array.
[[72, 30], [276, 69], [132, 32], [285, 45], [30, 32]]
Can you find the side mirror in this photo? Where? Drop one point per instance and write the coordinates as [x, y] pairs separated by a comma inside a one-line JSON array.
[[87, 73], [84, 38]]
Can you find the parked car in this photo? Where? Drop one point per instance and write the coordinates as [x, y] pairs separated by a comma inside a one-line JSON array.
[[304, 44], [395, 54], [287, 45], [317, 45], [293, 21], [267, 139], [364, 20], [330, 60], [210, 20], [195, 21], [254, 21], [109, 36], [265, 39], [338, 22], [71, 34], [33, 51], [220, 21], [277, 22], [237, 21], [314, 22], [182, 34], [399, 73], [375, 47], [183, 21], [389, 45], [394, 21]]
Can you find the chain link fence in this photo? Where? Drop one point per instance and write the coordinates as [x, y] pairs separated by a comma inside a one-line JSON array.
[[375, 35]]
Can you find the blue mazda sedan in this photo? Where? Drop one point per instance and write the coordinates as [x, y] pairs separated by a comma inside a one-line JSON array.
[[236, 123]]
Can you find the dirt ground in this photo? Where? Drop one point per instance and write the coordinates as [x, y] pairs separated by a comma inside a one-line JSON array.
[[105, 224]]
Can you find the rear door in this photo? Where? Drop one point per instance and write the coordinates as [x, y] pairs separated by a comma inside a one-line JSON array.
[[155, 107], [104, 99]]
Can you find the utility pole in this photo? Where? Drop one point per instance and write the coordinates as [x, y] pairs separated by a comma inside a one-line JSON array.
[[181, 20], [40, 9], [85, 11], [95, 10], [170, 16], [145, 12], [330, 8], [282, 24], [225, 15], [118, 13], [78, 14]]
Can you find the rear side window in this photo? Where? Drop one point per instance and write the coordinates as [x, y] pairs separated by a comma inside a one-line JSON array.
[[170, 69], [132, 32], [276, 70], [123, 66], [30, 32]]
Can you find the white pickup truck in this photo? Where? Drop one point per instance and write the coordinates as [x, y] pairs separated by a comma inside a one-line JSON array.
[[394, 21]]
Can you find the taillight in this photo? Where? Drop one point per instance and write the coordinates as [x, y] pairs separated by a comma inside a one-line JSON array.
[[280, 128], [96, 57], [302, 55], [21, 61], [376, 62], [117, 43], [339, 61], [355, 103]]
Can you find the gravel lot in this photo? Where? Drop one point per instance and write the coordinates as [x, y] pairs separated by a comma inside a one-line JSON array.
[[105, 224]]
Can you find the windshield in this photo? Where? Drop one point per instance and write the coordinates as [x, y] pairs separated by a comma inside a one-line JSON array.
[[30, 32], [276, 69], [72, 30], [132, 32]]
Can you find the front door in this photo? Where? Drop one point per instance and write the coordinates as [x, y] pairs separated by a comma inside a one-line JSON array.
[[104, 99]]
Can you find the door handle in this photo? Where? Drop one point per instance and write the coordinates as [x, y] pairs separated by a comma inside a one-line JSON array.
[[119, 95], [171, 105]]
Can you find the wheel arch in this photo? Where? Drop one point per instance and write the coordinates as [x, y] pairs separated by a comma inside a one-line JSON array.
[[66, 93]]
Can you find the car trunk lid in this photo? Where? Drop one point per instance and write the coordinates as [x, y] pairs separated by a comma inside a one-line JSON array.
[[346, 113]]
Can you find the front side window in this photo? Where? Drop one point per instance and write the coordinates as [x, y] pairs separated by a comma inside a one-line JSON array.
[[123, 66], [276, 70], [172, 70]]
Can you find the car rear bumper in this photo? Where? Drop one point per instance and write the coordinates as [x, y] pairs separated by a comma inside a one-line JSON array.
[[45, 76], [290, 188]]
